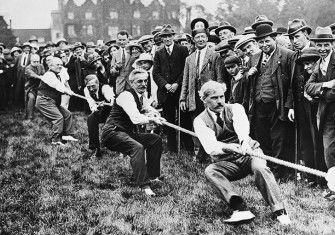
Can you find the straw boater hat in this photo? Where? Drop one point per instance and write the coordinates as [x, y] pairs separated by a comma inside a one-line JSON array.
[[308, 54], [225, 25], [244, 40], [264, 30], [323, 34], [196, 20], [261, 19], [297, 25]]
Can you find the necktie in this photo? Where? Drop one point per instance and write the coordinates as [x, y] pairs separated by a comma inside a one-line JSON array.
[[94, 96], [141, 101], [265, 59], [168, 50], [24, 60], [323, 67], [123, 57], [219, 120], [198, 65], [149, 85]]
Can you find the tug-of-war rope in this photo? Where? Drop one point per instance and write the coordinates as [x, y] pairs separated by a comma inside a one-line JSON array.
[[329, 176]]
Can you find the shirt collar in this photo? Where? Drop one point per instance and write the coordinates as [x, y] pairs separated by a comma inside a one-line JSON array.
[[327, 59], [170, 47], [271, 52], [203, 49], [213, 114]]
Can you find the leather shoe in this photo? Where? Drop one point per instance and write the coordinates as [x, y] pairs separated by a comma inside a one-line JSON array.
[[240, 216]]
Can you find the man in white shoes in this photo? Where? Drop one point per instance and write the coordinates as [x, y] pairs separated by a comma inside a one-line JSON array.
[[48, 102], [120, 132], [228, 123]]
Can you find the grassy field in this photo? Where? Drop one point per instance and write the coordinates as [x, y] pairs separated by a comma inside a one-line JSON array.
[[51, 190]]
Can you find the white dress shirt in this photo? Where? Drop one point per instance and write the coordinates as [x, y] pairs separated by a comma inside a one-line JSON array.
[[324, 64], [127, 102], [106, 91], [207, 136], [202, 56], [51, 80]]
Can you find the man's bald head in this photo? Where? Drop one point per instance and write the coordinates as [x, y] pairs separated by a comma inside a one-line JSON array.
[[56, 65]]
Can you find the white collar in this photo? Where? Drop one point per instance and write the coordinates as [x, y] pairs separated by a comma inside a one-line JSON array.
[[213, 114], [238, 76], [170, 47], [203, 49]]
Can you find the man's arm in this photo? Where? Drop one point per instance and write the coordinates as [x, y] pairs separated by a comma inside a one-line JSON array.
[[108, 93], [184, 87], [313, 86], [51, 80], [156, 72], [240, 123], [91, 102], [30, 73]]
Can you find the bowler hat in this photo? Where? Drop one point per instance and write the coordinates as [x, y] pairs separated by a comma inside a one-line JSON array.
[[297, 25], [49, 44], [244, 39], [225, 25], [261, 19], [96, 58], [167, 30], [194, 21], [308, 54], [264, 30], [323, 34]]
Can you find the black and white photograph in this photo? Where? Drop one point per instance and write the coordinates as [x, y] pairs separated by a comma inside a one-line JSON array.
[[159, 117]]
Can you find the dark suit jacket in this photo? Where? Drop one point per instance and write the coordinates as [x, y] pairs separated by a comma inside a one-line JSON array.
[[282, 63], [168, 69], [314, 88]]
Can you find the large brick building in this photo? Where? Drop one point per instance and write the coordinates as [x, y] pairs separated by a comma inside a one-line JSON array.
[[102, 19]]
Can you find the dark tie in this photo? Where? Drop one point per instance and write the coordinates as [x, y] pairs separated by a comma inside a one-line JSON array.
[[149, 85], [123, 58], [219, 120], [198, 65], [168, 50], [141, 101], [24, 60], [94, 96]]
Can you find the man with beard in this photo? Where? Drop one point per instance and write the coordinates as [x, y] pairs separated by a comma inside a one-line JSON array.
[[119, 133], [269, 82], [228, 123], [167, 72], [322, 84]]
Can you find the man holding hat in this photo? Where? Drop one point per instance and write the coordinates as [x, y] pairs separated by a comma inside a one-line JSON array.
[[167, 72], [322, 84], [97, 95], [269, 80]]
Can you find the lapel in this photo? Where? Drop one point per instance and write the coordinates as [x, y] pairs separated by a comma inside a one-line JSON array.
[[215, 125], [174, 50], [275, 60], [193, 64], [206, 59], [331, 67]]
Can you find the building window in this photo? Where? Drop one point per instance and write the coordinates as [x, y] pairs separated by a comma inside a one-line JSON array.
[[89, 30], [113, 14], [155, 15], [137, 14], [112, 31], [70, 15], [88, 15], [70, 31], [174, 14]]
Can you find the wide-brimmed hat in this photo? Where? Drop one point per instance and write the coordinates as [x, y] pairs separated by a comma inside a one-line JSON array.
[[264, 30], [61, 40], [33, 38], [194, 21], [144, 57], [248, 30], [297, 25], [26, 44], [133, 44], [145, 38], [15, 49], [90, 45], [244, 39], [223, 45], [261, 19], [308, 54], [323, 34], [157, 29], [234, 40], [225, 25], [77, 45], [167, 30]]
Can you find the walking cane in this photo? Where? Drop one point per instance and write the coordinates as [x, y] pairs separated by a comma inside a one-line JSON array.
[[296, 151], [178, 132]]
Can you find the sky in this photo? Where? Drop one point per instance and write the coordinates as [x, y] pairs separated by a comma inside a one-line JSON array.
[[28, 14]]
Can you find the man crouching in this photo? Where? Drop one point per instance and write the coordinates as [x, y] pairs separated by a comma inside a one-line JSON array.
[[119, 133], [227, 123]]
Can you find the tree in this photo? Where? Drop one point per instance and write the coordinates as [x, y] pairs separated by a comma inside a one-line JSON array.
[[6, 34]]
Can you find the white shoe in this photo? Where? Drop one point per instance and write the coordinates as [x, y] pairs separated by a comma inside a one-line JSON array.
[[284, 219], [69, 138], [239, 216], [149, 192]]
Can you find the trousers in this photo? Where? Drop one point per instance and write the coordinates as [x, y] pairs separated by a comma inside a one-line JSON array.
[[60, 117], [93, 121], [221, 173], [144, 149], [328, 134]]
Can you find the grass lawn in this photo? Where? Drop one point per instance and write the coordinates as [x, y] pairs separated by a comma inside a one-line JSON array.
[[46, 189]]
